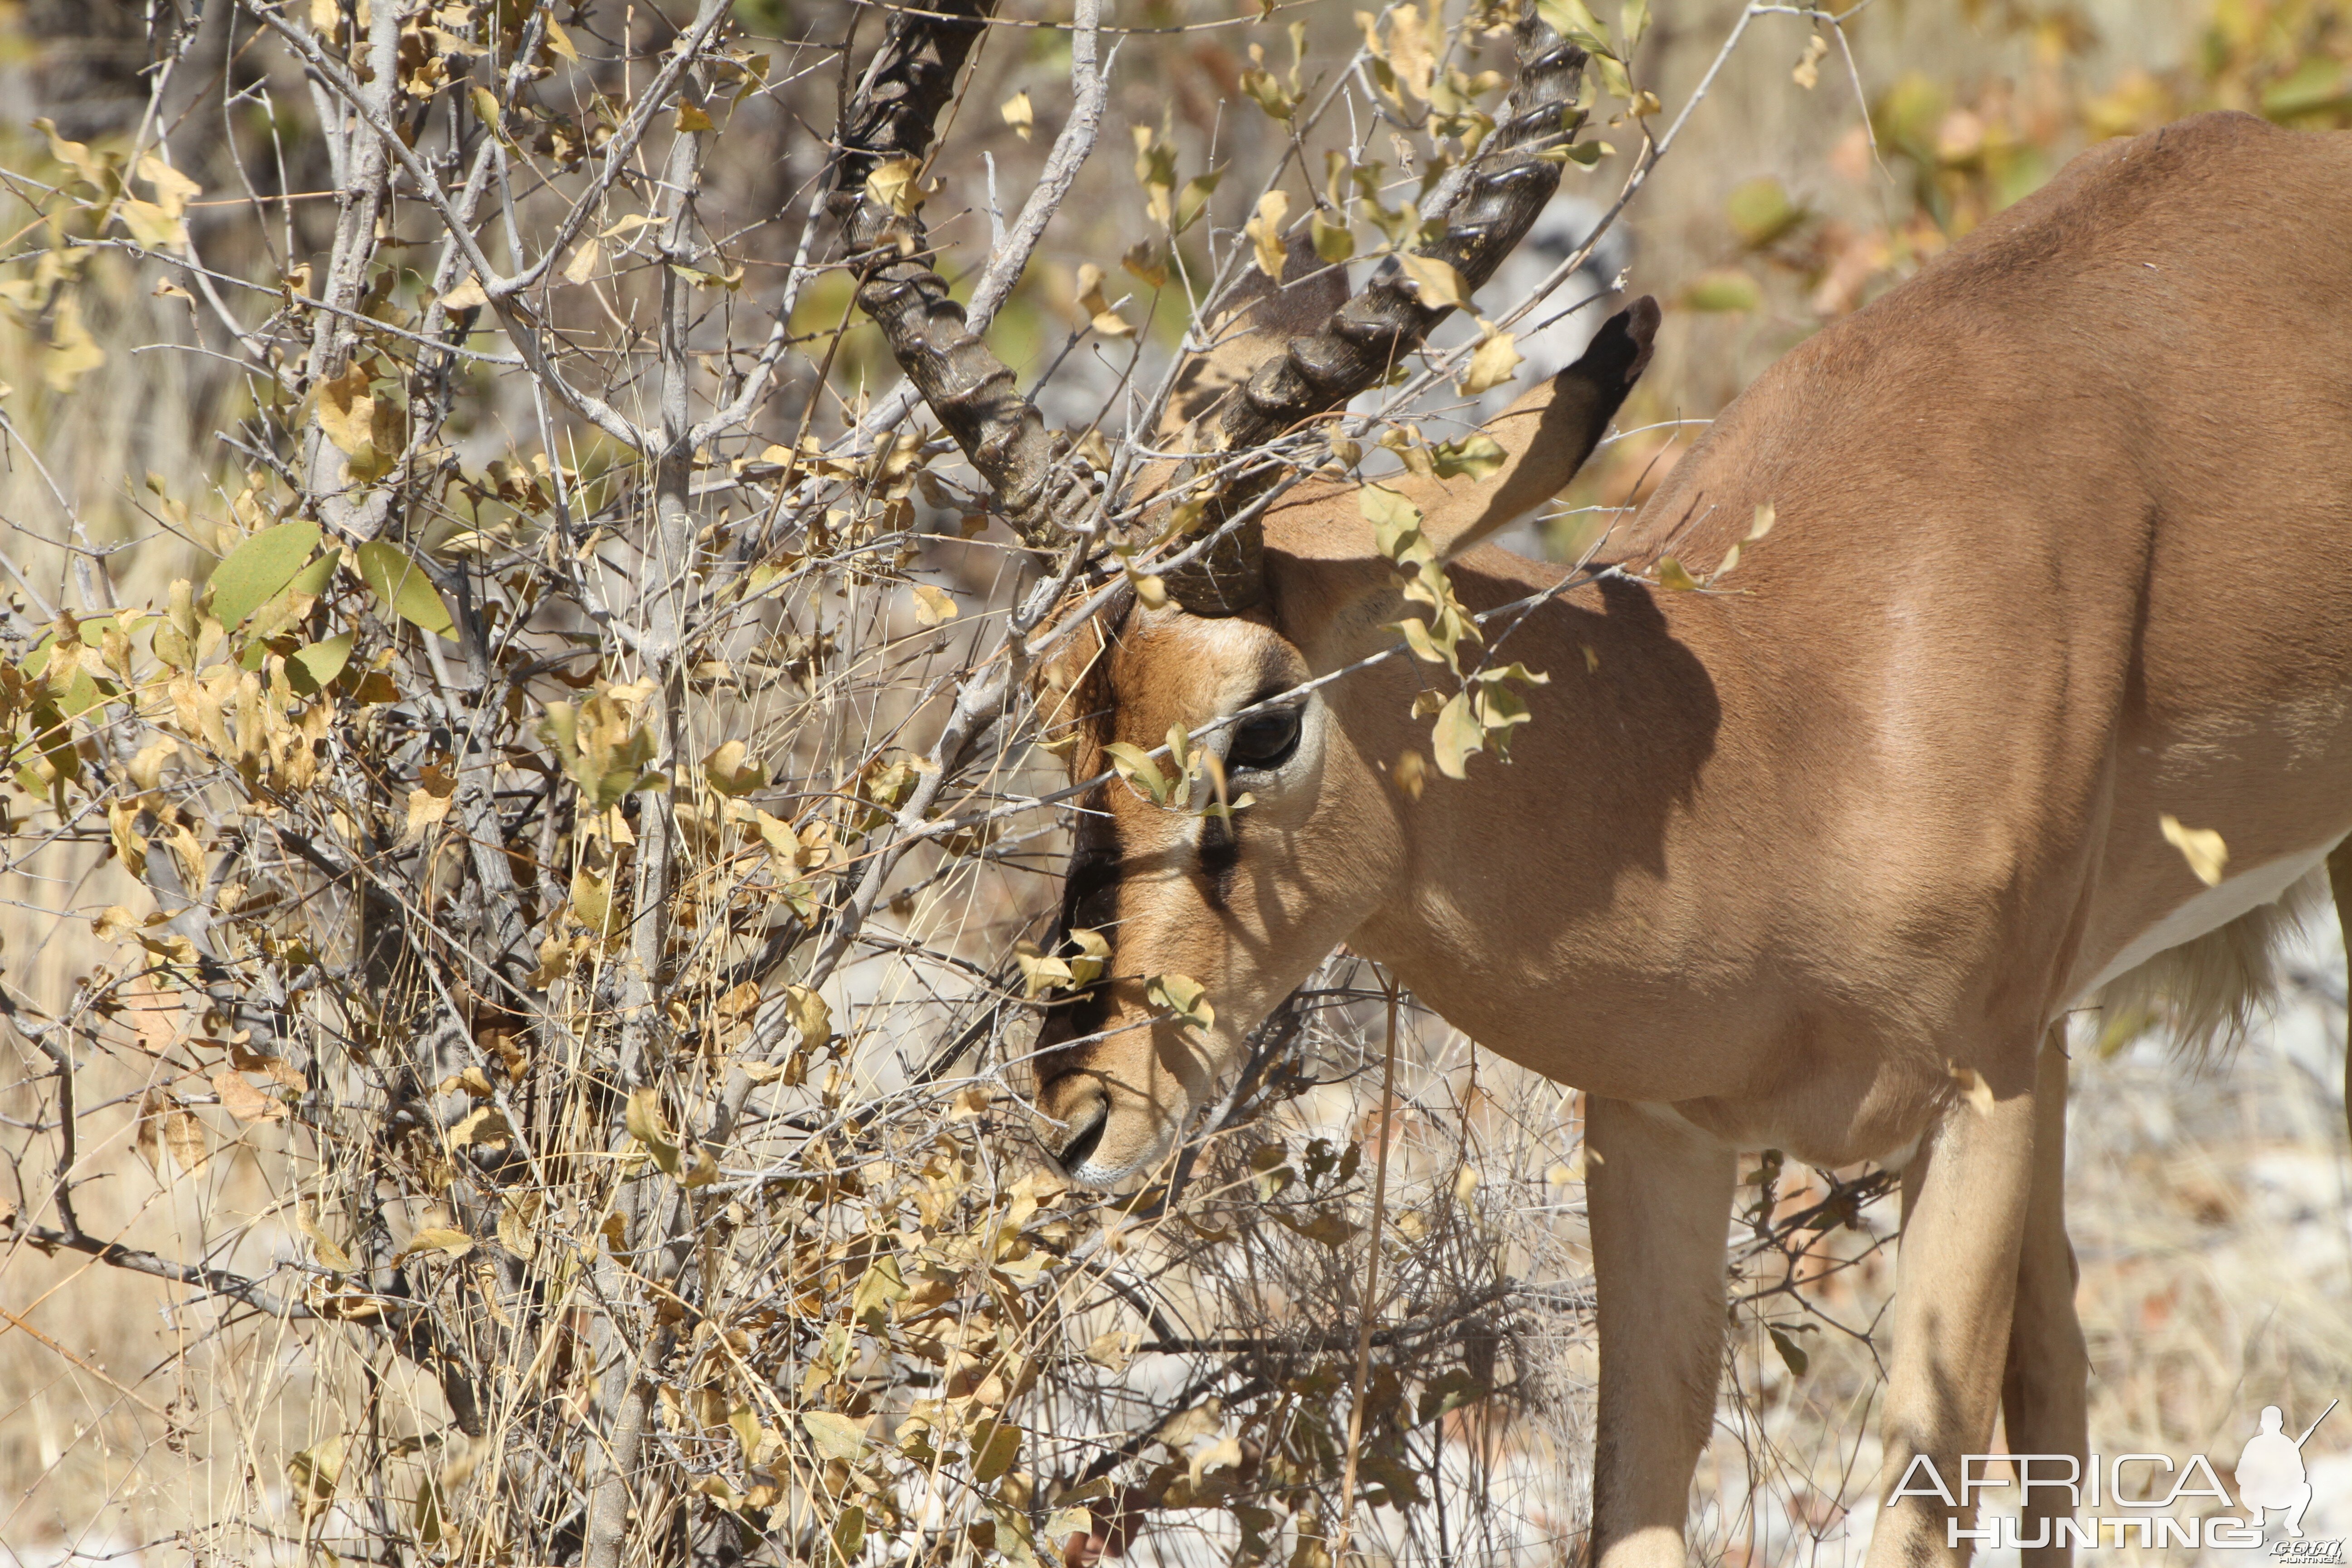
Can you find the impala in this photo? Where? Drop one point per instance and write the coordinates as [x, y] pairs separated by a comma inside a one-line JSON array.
[[2039, 685]]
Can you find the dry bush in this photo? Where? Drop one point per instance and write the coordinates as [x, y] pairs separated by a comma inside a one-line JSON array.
[[526, 853]]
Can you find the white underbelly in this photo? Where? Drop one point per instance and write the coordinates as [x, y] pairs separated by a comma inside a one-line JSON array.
[[2211, 910]]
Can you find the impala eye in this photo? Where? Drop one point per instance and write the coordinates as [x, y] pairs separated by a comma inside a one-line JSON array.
[[1265, 741]]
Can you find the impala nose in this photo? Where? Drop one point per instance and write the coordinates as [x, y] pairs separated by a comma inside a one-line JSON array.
[[1088, 1118]]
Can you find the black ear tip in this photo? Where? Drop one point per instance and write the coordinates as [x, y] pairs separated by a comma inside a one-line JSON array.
[[1620, 351], [1639, 322]]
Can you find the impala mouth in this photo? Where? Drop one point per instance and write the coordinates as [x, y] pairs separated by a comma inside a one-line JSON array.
[[1084, 1142]]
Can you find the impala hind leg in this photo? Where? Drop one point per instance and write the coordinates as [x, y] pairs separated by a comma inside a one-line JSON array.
[[2044, 1393], [2339, 883], [1965, 1198], [1658, 1196]]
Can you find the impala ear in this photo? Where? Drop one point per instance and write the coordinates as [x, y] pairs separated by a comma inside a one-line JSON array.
[[1547, 434]]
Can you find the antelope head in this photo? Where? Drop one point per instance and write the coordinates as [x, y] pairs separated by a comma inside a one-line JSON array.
[[1206, 885], [1190, 925]]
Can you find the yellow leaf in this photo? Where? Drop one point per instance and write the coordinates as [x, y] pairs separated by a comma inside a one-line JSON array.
[[690, 117], [151, 226], [643, 1118], [582, 265], [324, 1247], [515, 1228], [1440, 285], [1265, 231], [1090, 299], [560, 42], [425, 810], [314, 1471], [115, 924], [453, 1244], [810, 1015], [895, 183], [1019, 114], [467, 296], [732, 771], [932, 605], [1494, 363], [347, 411], [836, 1437], [73, 353], [1674, 575], [2200, 846], [173, 190]]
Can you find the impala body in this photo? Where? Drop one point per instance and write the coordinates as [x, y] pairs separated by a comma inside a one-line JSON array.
[[1815, 859]]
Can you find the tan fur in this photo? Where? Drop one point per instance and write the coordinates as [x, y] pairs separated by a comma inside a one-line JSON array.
[[1815, 863]]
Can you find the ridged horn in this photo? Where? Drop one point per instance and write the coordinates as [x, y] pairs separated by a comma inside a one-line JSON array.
[[1509, 184], [973, 392]]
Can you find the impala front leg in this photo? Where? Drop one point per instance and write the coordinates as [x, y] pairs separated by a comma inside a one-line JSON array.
[[2043, 1396], [1658, 1196], [1965, 1200]]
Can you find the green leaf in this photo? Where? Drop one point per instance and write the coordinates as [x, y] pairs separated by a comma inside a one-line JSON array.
[[1134, 764], [1182, 995], [1333, 240], [402, 587], [1792, 1353], [1724, 289], [848, 1534], [310, 669], [1760, 211], [1473, 456], [1574, 21], [1396, 521], [257, 568], [313, 579]]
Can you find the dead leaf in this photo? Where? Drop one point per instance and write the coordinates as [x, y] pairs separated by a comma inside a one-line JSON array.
[[583, 262], [1440, 286], [244, 1101], [2200, 846], [438, 1238], [1019, 113], [347, 411], [932, 605], [1495, 362], [245, 1058], [1264, 232], [425, 810]]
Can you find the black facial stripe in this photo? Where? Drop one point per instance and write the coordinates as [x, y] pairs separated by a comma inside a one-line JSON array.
[[1221, 854]]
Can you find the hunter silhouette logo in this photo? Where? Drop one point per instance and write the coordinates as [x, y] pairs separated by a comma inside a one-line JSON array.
[[2270, 1473], [2146, 1495]]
